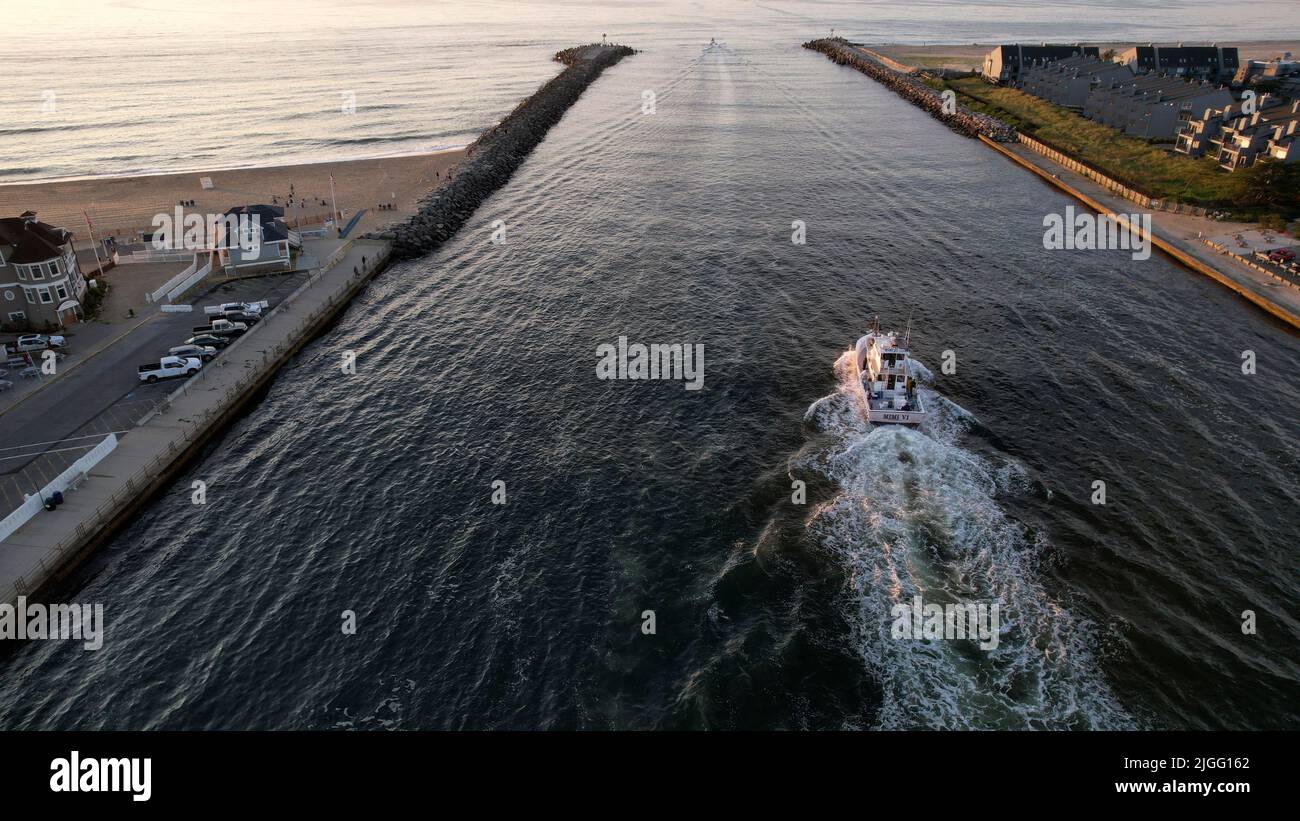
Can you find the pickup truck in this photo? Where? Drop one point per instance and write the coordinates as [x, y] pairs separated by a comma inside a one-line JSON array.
[[169, 366], [239, 316], [245, 307], [222, 327]]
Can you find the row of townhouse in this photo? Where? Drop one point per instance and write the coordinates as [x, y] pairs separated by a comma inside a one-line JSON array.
[[1068, 82], [1005, 64], [41, 284], [1150, 106], [1214, 62], [1236, 140]]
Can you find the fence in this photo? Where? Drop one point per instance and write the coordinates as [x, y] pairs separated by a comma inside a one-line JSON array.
[[140, 257], [1292, 269], [1128, 192], [173, 282], [189, 282], [29, 508]]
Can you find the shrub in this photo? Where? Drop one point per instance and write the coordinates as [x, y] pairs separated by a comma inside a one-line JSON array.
[[93, 302]]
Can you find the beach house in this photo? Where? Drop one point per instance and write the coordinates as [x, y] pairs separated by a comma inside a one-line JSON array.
[[262, 240], [41, 285]]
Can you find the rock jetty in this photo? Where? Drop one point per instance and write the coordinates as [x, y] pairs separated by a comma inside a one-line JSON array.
[[495, 155], [962, 120]]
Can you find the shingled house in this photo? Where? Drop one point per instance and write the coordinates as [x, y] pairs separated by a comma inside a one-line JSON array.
[[41, 285]]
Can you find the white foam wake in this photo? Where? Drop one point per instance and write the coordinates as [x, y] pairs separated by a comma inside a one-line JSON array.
[[916, 514]]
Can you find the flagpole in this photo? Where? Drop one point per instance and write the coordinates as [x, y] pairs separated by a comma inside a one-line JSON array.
[[338, 220], [94, 243]]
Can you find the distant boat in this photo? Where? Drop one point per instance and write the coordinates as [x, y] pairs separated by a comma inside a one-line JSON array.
[[884, 378]]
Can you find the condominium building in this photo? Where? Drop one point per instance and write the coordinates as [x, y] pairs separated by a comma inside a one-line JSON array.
[[1213, 62], [1151, 106], [1004, 63], [1237, 140], [1068, 82]]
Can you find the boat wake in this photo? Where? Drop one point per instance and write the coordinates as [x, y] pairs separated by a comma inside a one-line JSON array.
[[913, 514]]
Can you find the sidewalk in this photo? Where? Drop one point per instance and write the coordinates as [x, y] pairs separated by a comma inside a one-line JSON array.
[[146, 456]]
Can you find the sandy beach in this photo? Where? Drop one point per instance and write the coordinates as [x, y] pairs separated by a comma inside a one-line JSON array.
[[968, 56], [121, 206]]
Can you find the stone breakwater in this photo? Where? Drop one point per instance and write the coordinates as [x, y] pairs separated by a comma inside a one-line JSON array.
[[962, 120], [495, 155]]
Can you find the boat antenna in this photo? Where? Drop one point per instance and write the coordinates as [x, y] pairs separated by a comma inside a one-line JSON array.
[[907, 335]]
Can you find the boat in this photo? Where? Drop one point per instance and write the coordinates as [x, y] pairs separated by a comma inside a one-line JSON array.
[[885, 379]]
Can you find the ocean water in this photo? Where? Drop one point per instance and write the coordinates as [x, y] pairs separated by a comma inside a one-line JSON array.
[[110, 87], [373, 493]]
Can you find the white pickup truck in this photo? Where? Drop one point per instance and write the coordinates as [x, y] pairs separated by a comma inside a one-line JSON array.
[[169, 366], [243, 307]]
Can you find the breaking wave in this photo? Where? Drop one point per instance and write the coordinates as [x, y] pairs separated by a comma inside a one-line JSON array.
[[914, 513]]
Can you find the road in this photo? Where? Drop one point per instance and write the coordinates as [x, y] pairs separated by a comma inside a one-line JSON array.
[[46, 432]]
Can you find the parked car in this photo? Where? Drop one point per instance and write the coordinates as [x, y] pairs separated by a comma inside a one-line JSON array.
[[239, 316], [222, 327], [245, 307], [1282, 256], [203, 352], [39, 342], [208, 341], [169, 366]]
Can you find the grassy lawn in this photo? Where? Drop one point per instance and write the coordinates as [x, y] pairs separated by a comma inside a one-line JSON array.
[[1167, 175]]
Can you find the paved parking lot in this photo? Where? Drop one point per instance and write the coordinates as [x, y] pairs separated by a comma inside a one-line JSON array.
[[44, 433]]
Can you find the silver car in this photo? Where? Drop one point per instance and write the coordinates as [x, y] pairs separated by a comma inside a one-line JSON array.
[[205, 353]]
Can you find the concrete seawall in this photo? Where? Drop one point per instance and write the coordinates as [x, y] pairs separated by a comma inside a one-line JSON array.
[[1007, 141], [1167, 246], [495, 155], [148, 458]]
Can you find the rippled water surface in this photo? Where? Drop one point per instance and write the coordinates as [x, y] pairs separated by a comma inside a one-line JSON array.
[[373, 492]]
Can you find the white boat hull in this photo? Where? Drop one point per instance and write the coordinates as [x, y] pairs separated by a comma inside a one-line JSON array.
[[879, 415]]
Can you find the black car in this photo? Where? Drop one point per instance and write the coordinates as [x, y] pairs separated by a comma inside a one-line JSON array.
[[211, 340]]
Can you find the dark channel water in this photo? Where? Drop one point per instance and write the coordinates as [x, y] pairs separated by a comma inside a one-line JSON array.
[[373, 492]]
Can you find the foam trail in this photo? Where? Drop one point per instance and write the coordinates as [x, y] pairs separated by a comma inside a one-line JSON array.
[[916, 514]]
